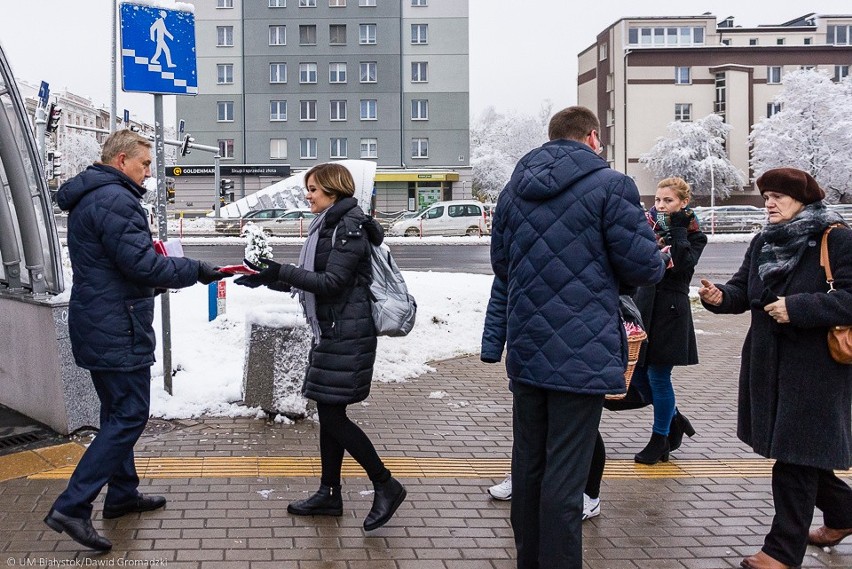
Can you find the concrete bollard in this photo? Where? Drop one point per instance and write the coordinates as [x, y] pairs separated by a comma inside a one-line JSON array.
[[278, 341]]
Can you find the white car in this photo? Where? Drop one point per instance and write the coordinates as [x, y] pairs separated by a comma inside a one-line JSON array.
[[461, 217], [273, 221]]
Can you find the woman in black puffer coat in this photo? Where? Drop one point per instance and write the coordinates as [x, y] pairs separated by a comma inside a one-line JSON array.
[[333, 279]]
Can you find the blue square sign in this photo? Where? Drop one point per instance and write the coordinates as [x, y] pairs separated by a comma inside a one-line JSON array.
[[158, 50]]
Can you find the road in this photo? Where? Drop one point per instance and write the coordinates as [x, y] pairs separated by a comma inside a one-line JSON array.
[[718, 263]]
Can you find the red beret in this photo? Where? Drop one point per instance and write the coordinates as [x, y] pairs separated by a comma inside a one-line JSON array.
[[797, 184]]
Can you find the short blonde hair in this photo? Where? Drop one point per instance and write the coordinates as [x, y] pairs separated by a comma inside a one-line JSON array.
[[679, 185], [123, 141], [334, 179]]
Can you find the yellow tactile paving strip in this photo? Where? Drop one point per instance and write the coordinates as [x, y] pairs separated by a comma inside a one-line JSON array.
[[30, 462], [412, 467]]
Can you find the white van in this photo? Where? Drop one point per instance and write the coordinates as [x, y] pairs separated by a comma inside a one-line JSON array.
[[461, 217]]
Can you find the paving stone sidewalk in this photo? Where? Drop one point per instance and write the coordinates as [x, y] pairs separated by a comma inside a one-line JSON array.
[[708, 522]]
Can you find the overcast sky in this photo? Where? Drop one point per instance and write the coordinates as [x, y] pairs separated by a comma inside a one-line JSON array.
[[521, 52]]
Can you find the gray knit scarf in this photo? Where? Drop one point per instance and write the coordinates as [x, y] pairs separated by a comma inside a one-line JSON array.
[[785, 243], [307, 256]]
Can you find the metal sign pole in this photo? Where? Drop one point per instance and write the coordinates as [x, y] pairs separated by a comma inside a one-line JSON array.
[[217, 182], [163, 235]]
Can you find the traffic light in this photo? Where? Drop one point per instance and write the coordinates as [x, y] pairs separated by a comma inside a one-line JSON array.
[[54, 115], [226, 190], [170, 190], [57, 164], [184, 148]]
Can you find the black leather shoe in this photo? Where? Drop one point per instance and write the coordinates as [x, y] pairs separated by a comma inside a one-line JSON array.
[[680, 426], [388, 497], [141, 503], [78, 529], [326, 502], [655, 451]]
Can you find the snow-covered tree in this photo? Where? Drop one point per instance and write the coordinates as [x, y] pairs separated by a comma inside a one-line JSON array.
[[257, 245], [497, 142], [695, 151], [79, 151], [812, 132]]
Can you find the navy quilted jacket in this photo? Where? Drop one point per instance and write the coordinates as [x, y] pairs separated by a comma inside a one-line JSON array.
[[567, 232], [116, 270]]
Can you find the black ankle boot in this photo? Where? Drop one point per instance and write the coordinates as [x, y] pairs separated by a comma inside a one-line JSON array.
[[655, 451], [680, 425], [389, 495], [326, 502]]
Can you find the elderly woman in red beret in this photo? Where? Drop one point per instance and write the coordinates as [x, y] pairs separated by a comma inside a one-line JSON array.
[[795, 401]]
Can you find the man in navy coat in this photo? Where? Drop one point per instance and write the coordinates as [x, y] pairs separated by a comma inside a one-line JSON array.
[[567, 232], [110, 320]]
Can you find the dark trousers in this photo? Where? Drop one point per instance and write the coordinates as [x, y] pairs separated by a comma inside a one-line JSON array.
[[796, 490], [125, 405], [338, 434], [596, 470], [554, 436]]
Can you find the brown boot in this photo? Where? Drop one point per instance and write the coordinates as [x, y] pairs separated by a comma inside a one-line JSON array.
[[826, 537], [760, 560]]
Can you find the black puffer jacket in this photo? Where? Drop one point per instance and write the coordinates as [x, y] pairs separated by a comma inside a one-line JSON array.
[[340, 369]]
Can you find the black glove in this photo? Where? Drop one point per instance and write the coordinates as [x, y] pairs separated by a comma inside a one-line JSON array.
[[266, 275], [680, 219], [207, 273]]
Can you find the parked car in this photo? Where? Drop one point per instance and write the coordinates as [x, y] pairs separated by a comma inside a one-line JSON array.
[[844, 209], [731, 218], [461, 217], [275, 221]]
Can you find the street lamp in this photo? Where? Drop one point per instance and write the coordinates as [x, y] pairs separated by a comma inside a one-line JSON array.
[[712, 193]]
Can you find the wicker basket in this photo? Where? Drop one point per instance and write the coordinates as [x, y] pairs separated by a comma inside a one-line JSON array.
[[634, 344]]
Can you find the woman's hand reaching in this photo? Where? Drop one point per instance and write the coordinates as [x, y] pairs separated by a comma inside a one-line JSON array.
[[710, 293]]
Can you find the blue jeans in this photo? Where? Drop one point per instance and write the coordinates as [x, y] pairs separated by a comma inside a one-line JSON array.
[[660, 378]]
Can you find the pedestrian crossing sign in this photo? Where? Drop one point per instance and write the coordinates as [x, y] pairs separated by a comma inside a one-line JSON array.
[[158, 50]]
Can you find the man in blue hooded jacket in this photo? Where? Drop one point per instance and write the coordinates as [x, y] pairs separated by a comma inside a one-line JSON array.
[[568, 231], [110, 320]]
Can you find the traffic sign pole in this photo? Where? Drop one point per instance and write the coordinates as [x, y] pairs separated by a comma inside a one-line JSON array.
[[163, 229]]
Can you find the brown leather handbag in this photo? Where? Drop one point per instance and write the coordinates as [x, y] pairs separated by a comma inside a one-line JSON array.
[[839, 337]]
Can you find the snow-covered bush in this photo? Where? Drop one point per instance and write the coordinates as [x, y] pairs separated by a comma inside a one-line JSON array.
[[257, 245]]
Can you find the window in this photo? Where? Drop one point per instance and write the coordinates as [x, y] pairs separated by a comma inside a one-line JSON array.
[[682, 76], [307, 110], [773, 74], [419, 71], [337, 73], [726, 41], [368, 72], [337, 110], [224, 3], [307, 3], [610, 81], [838, 35], [278, 148], [307, 73], [772, 109], [224, 73], [683, 112], [307, 35], [366, 2], [418, 3], [368, 109], [337, 34], [224, 36], [277, 111], [338, 148], [840, 72], [277, 3], [277, 72], [752, 41], [419, 33], [720, 103], [660, 36], [224, 111], [277, 35], [369, 148], [420, 148], [467, 210], [603, 50], [419, 109], [808, 41], [367, 34], [336, 3], [308, 148], [226, 148], [779, 41]]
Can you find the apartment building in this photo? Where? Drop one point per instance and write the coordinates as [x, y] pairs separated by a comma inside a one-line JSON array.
[[301, 82], [643, 73]]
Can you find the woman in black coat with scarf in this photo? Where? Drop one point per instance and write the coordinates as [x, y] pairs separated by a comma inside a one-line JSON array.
[[667, 315], [333, 279], [795, 401]]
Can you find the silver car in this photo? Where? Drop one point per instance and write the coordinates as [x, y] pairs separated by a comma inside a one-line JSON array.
[[277, 222]]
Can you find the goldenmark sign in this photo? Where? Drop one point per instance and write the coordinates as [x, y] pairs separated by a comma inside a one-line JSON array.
[[277, 170]]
